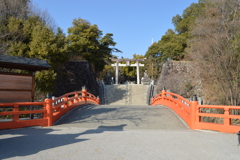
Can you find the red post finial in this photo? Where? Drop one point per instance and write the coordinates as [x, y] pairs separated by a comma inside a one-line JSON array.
[[84, 94]]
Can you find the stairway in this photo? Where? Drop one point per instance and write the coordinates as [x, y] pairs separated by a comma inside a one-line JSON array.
[[138, 94], [131, 94]]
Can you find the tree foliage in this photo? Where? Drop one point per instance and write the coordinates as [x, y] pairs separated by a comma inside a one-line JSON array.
[[173, 45], [131, 72], [27, 34], [27, 31], [86, 42], [9, 9], [215, 45], [184, 23]]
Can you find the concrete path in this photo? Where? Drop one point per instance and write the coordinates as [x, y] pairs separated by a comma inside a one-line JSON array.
[[108, 133], [122, 117]]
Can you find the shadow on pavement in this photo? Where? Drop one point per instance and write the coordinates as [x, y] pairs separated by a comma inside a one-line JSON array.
[[29, 141], [80, 117], [82, 113]]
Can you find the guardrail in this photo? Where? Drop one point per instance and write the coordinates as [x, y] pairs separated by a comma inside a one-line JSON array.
[[193, 113], [46, 112]]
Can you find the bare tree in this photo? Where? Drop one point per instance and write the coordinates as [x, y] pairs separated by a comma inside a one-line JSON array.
[[215, 46], [34, 10], [15, 12], [11, 8]]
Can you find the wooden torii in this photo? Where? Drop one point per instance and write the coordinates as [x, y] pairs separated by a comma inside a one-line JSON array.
[[137, 64]]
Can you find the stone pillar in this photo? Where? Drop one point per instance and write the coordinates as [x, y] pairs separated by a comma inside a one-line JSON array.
[[138, 77], [116, 77]]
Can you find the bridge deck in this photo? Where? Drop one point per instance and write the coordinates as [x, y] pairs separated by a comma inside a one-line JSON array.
[[122, 117], [117, 132]]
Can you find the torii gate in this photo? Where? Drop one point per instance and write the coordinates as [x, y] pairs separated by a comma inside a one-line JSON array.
[[137, 64]]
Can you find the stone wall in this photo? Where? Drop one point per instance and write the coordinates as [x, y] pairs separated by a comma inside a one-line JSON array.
[[73, 76], [182, 78]]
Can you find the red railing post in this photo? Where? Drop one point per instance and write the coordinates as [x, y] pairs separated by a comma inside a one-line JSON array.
[[227, 121], [84, 94], [163, 93], [16, 116], [48, 105], [98, 100], [193, 110], [65, 100], [76, 100]]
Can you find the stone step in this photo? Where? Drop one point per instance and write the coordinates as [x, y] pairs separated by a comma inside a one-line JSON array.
[[132, 94], [116, 94]]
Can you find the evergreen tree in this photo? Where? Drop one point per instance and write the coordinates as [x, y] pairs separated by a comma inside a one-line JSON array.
[[11, 11], [174, 43], [86, 43]]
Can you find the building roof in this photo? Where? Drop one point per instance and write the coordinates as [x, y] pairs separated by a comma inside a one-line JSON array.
[[32, 64]]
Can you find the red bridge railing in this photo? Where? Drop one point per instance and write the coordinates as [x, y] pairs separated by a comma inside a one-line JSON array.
[[49, 111], [192, 113]]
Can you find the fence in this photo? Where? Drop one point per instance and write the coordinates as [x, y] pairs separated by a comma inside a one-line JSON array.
[[193, 113], [44, 113]]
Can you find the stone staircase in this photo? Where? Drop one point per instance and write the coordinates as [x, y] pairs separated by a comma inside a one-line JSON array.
[[131, 94], [138, 94]]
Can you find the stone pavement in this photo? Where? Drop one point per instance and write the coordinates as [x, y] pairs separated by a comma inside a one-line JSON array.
[[120, 133]]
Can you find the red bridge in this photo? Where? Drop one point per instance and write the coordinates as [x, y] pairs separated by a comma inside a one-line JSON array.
[[117, 131], [190, 111], [51, 110]]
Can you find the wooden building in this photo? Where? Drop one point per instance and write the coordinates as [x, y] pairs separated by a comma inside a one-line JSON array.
[[19, 87]]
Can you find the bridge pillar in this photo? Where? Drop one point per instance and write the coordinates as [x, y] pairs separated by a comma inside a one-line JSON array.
[[48, 105], [193, 110]]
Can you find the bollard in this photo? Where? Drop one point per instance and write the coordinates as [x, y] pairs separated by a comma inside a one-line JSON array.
[[238, 138]]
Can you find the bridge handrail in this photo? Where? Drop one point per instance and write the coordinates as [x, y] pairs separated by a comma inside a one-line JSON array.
[[173, 95], [191, 112], [70, 100], [51, 110], [17, 122], [177, 103]]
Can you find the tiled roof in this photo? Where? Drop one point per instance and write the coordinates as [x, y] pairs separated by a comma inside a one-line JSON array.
[[14, 62]]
